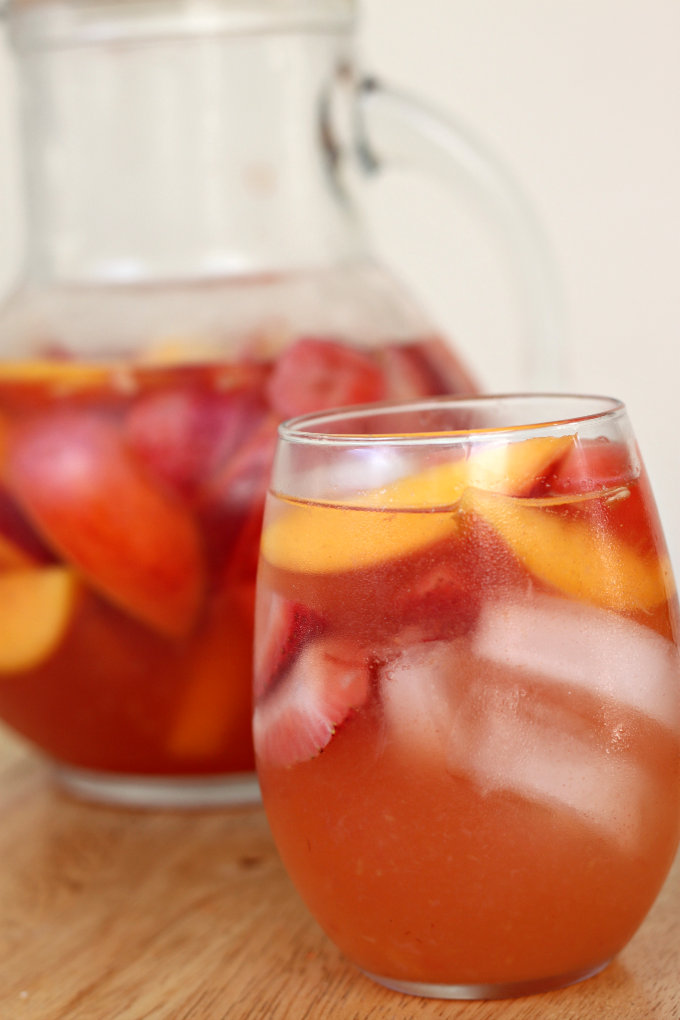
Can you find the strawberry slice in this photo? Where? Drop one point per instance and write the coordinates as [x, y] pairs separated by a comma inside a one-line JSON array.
[[407, 377], [297, 719], [183, 435], [71, 474], [590, 465], [282, 628], [314, 374], [231, 502], [447, 371], [243, 480], [441, 603], [427, 368]]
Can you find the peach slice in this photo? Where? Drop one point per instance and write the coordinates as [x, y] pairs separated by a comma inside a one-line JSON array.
[[136, 545], [511, 468], [36, 607], [572, 556], [69, 375], [216, 703], [329, 539], [183, 350]]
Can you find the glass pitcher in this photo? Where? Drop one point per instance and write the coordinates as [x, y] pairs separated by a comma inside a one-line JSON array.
[[196, 273]]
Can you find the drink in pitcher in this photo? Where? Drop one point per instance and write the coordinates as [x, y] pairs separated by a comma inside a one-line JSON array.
[[131, 503]]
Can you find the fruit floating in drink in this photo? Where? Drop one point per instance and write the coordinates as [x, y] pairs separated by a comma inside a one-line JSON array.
[[467, 685], [131, 500]]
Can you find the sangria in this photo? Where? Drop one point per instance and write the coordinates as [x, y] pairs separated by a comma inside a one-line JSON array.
[[467, 688], [131, 501]]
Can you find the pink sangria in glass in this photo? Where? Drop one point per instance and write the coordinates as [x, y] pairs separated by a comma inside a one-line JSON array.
[[467, 688]]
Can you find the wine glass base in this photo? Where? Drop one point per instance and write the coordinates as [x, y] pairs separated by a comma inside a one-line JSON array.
[[511, 990], [135, 791]]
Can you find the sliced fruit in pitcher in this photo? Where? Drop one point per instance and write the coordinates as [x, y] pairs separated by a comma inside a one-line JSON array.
[[13, 557], [314, 374], [214, 708], [329, 539], [297, 719], [21, 543], [242, 479], [571, 555], [74, 479], [68, 375], [406, 375], [183, 435], [36, 607], [230, 503], [449, 372]]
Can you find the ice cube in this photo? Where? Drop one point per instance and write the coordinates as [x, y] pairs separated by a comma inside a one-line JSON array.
[[584, 647], [419, 689], [508, 738]]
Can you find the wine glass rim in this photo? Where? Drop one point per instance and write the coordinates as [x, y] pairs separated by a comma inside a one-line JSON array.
[[298, 429]]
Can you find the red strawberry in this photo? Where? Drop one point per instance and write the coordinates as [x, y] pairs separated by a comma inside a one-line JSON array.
[[243, 479], [281, 629], [592, 464], [297, 719], [448, 373], [72, 475], [406, 375], [316, 374], [231, 501], [441, 603], [183, 435]]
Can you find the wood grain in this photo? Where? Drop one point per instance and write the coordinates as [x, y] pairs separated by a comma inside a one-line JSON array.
[[113, 915]]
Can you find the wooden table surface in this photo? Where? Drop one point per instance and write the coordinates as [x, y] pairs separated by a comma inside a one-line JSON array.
[[117, 915]]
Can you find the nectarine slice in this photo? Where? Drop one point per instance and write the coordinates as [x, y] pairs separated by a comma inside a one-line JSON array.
[[71, 375], [588, 564], [327, 539], [83, 492], [511, 468], [215, 706], [36, 607]]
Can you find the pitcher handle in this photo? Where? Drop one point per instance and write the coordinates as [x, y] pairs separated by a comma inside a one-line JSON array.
[[392, 128]]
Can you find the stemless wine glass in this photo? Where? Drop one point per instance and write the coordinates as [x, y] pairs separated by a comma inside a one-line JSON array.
[[467, 688]]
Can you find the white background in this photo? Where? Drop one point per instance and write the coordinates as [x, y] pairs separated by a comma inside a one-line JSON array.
[[581, 98]]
